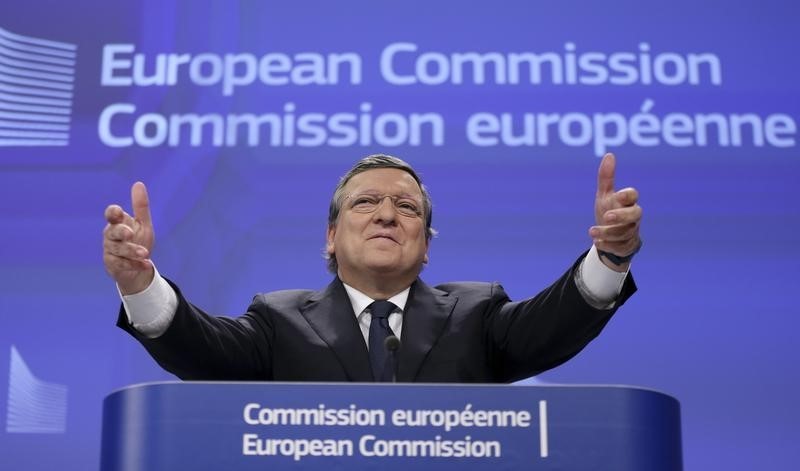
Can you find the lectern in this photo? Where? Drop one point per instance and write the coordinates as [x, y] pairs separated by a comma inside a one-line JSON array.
[[409, 427]]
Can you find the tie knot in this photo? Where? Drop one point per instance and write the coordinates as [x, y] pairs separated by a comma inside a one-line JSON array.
[[381, 309]]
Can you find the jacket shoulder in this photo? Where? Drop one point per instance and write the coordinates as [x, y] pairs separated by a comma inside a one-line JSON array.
[[472, 288], [289, 297]]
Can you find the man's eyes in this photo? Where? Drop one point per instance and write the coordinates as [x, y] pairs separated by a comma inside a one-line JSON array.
[[365, 200], [370, 202]]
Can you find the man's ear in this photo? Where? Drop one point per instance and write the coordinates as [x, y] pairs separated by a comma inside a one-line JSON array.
[[329, 246], [425, 260]]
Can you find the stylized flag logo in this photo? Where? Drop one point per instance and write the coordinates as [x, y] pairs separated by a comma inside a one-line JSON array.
[[36, 81], [34, 406]]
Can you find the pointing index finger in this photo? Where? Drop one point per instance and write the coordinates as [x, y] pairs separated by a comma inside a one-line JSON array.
[[605, 174], [140, 203]]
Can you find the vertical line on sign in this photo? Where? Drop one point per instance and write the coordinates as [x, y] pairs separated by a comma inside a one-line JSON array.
[[543, 445]]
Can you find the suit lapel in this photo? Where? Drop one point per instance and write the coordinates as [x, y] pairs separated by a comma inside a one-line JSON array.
[[424, 320], [330, 314]]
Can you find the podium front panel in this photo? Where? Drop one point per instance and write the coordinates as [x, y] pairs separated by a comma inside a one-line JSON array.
[[315, 426]]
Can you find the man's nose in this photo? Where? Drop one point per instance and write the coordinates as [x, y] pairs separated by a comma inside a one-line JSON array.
[[386, 212]]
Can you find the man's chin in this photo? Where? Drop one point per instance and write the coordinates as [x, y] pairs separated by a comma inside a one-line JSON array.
[[386, 263], [383, 266]]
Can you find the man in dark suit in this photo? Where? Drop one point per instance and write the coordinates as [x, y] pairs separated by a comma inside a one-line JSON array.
[[379, 228]]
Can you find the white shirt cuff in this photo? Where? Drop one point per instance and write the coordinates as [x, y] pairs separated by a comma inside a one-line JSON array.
[[151, 311], [599, 284]]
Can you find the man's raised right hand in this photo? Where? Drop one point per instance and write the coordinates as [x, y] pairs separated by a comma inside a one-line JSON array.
[[128, 241]]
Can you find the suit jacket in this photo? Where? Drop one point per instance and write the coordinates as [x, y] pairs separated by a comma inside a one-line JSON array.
[[455, 332]]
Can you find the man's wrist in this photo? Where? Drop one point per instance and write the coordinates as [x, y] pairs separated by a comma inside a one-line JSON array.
[[139, 284], [598, 283], [619, 262], [151, 310]]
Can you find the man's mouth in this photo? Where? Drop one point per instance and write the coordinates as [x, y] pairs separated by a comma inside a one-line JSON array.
[[383, 236]]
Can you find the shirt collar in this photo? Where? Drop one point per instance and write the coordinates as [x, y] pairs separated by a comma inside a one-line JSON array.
[[360, 301]]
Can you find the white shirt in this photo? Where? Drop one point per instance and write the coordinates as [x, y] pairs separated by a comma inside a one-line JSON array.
[[361, 302], [152, 310]]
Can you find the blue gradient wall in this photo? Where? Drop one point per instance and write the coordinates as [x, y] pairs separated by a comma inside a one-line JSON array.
[[714, 321]]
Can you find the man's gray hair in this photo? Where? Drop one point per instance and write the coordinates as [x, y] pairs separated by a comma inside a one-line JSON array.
[[368, 163]]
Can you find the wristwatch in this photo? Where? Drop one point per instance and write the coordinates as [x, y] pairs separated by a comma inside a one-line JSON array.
[[616, 259]]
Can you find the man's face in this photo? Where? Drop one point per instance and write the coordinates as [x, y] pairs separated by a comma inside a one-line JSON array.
[[383, 242]]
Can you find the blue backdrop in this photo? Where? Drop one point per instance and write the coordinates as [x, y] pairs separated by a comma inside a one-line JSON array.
[[503, 107]]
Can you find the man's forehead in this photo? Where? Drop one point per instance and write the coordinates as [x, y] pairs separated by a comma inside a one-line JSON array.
[[384, 179]]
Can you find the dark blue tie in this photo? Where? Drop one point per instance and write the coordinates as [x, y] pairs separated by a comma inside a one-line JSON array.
[[378, 331]]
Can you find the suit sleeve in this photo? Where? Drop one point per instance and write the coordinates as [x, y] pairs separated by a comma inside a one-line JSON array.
[[528, 337], [197, 346]]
